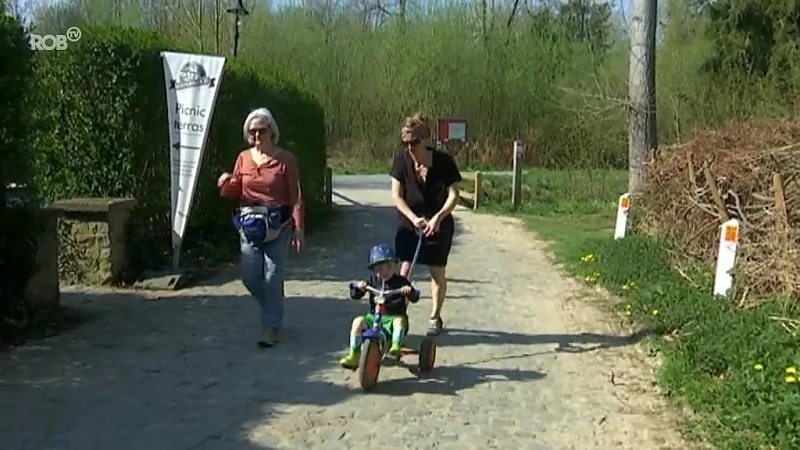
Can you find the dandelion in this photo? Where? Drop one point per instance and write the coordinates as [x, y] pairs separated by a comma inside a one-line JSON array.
[[791, 370], [655, 312], [790, 379], [628, 313], [588, 258], [758, 367], [592, 277]]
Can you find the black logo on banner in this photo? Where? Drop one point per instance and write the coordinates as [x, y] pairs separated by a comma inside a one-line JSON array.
[[191, 75]]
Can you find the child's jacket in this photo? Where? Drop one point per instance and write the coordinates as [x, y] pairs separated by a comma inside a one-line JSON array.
[[394, 305]]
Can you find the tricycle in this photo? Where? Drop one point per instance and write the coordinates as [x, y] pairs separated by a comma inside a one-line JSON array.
[[375, 346]]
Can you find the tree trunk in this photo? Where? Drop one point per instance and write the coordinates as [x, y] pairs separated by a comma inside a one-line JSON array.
[[642, 131], [217, 20]]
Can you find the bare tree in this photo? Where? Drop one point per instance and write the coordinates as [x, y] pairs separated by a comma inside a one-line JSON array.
[[194, 20], [642, 136]]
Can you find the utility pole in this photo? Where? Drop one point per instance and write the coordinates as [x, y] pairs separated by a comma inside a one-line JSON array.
[[642, 127]]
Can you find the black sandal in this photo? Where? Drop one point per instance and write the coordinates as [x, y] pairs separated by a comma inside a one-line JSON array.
[[435, 326]]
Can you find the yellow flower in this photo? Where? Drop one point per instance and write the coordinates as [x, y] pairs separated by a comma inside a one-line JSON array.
[[628, 306], [790, 379], [588, 258], [627, 313], [655, 312], [758, 367], [791, 370]]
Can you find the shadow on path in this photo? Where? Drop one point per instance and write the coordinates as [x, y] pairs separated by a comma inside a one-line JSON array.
[[450, 380], [174, 373], [566, 343]]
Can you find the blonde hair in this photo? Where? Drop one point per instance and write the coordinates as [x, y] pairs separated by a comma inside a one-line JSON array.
[[261, 113], [417, 125]]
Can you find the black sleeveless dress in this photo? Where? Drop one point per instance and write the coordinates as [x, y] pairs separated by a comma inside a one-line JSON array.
[[425, 198]]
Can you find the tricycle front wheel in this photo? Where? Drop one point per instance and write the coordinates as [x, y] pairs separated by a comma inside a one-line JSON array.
[[369, 364]]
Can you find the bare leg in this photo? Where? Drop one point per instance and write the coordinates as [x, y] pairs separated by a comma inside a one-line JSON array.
[[398, 330], [351, 360], [358, 327], [438, 289]]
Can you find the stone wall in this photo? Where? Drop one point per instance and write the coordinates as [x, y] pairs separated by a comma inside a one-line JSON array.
[[92, 238]]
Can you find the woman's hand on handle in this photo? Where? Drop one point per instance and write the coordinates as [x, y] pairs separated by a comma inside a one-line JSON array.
[[420, 223], [433, 225]]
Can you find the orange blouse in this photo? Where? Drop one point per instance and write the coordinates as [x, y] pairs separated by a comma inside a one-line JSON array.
[[276, 182]]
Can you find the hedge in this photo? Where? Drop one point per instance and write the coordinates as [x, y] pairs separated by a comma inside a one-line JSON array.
[[18, 225], [15, 76], [101, 107]]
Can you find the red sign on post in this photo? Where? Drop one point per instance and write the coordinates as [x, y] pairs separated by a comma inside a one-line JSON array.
[[452, 130]]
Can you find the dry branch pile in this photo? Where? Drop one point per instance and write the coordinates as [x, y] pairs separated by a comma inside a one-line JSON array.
[[749, 172]]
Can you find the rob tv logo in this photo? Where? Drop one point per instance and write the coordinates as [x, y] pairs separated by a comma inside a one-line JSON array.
[[54, 41]]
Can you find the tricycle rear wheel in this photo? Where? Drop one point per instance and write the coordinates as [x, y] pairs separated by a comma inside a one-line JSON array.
[[369, 364]]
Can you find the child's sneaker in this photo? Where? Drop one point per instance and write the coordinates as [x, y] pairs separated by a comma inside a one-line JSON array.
[[350, 361], [396, 349]]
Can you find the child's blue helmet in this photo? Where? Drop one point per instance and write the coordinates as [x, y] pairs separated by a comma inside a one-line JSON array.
[[380, 253]]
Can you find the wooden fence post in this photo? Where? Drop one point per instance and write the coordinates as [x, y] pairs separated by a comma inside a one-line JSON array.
[[516, 182], [478, 188]]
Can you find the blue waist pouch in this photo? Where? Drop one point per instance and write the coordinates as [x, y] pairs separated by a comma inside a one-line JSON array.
[[260, 224]]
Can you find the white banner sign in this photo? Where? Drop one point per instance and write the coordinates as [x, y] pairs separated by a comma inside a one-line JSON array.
[[192, 83]]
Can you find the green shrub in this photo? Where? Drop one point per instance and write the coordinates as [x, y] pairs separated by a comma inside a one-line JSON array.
[[15, 78], [17, 225], [101, 107], [727, 364]]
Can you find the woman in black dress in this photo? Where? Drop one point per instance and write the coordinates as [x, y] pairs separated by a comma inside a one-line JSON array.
[[425, 192]]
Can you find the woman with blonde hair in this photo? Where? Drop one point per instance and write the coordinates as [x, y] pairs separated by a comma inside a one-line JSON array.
[[266, 183], [425, 192]]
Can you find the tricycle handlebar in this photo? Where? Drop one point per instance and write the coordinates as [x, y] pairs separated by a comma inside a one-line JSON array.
[[386, 292]]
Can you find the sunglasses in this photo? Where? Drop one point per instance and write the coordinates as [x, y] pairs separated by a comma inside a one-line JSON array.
[[412, 143], [254, 131]]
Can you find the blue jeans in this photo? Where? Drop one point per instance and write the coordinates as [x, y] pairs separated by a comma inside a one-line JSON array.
[[262, 275]]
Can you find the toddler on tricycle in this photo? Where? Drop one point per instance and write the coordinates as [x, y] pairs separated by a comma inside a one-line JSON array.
[[386, 323]]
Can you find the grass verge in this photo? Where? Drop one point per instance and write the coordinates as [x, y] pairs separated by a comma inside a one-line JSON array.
[[736, 369]]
